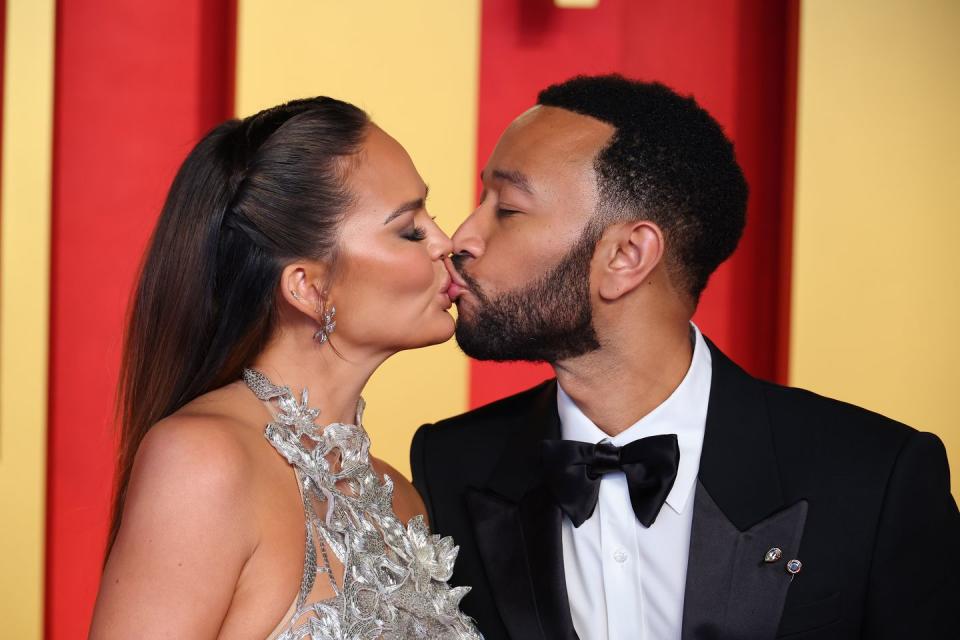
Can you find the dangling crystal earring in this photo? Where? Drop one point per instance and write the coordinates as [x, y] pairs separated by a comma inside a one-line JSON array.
[[327, 324]]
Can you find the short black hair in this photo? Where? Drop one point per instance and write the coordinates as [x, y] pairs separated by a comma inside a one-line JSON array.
[[668, 162]]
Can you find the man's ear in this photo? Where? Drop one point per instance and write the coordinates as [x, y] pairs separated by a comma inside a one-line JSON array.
[[301, 286], [629, 252]]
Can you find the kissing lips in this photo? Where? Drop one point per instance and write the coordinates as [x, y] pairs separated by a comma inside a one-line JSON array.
[[454, 291], [444, 292], [457, 284]]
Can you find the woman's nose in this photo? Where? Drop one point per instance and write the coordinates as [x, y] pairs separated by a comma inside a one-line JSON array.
[[441, 247]]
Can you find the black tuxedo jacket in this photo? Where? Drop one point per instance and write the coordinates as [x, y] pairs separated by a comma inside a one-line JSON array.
[[863, 501]]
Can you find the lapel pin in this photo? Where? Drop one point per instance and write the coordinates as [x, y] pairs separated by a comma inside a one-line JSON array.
[[773, 555], [794, 566]]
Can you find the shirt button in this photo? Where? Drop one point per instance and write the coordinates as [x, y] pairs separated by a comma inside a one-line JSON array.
[[620, 556]]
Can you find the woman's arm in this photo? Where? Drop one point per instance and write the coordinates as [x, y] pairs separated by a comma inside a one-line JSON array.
[[187, 531]]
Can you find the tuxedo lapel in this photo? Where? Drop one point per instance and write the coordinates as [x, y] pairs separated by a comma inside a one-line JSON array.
[[499, 535], [739, 514], [732, 593], [541, 521], [738, 463], [518, 532]]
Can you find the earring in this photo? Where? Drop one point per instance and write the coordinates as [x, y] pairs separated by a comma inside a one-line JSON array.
[[327, 324], [296, 296]]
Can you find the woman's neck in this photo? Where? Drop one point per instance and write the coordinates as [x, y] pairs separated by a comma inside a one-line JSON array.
[[335, 383]]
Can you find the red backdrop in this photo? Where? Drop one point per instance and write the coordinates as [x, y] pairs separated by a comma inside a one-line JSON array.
[[738, 59], [136, 84]]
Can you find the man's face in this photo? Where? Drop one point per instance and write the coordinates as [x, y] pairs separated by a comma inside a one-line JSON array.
[[524, 254]]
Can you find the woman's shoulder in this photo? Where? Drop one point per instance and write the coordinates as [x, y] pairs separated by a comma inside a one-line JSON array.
[[200, 458], [205, 428], [189, 525], [208, 445], [204, 444], [407, 502], [193, 468]]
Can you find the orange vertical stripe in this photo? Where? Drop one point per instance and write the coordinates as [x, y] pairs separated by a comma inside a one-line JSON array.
[[24, 307], [412, 65]]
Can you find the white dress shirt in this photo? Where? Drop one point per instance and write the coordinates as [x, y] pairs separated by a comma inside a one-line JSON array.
[[625, 581]]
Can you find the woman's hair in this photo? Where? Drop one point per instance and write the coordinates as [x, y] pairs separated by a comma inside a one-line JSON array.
[[253, 195]]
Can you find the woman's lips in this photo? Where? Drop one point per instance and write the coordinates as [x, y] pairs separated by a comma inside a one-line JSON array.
[[445, 300], [457, 285], [444, 292]]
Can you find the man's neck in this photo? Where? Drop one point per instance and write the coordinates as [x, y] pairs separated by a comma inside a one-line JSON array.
[[628, 377]]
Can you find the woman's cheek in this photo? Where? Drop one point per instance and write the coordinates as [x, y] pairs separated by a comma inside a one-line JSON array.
[[392, 288], [418, 270]]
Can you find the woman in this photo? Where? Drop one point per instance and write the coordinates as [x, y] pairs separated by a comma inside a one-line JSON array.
[[294, 253]]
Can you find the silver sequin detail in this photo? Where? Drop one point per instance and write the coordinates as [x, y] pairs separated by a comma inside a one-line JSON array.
[[395, 577]]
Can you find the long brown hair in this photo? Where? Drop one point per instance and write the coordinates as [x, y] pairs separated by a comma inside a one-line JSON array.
[[253, 195]]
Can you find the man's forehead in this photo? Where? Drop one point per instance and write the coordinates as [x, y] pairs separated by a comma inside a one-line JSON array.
[[556, 133]]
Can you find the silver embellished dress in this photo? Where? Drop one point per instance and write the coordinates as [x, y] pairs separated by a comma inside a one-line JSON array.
[[394, 583]]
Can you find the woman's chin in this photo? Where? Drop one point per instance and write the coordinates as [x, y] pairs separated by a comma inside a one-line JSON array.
[[439, 328], [447, 331], [442, 331]]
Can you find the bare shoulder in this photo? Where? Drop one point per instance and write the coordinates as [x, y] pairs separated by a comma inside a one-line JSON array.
[[211, 439], [188, 528], [407, 502], [196, 466], [208, 446]]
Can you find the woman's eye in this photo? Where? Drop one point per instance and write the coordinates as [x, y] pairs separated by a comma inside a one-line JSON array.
[[416, 234], [505, 213]]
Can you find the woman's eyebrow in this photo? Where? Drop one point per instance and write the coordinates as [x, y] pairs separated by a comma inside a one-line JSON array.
[[412, 205]]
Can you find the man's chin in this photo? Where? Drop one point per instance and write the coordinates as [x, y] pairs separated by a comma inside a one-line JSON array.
[[469, 340], [481, 345]]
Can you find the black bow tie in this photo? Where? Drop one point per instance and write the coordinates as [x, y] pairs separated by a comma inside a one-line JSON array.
[[574, 469]]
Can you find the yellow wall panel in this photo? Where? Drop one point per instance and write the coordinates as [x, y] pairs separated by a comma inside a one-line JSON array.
[[876, 276], [24, 310], [413, 66]]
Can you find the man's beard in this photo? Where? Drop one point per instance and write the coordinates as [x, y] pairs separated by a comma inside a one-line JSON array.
[[547, 320]]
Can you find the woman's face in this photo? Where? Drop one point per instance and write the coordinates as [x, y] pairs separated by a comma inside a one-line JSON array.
[[390, 287]]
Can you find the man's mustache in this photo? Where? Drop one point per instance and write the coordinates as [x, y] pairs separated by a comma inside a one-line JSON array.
[[457, 260]]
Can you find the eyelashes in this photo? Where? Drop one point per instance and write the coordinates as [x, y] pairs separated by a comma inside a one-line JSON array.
[[416, 234], [506, 213]]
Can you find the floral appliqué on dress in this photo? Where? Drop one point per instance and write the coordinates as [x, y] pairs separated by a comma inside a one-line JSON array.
[[395, 577]]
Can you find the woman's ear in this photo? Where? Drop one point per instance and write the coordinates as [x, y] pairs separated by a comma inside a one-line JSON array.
[[301, 286], [630, 252]]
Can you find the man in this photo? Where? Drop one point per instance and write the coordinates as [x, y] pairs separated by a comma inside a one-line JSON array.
[[654, 489]]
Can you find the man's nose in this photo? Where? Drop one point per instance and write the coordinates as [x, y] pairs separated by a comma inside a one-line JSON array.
[[469, 238]]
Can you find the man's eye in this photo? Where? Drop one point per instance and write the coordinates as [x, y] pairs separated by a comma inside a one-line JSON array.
[[506, 213]]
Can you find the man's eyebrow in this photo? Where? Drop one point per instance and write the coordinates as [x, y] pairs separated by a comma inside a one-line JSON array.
[[413, 205], [517, 179]]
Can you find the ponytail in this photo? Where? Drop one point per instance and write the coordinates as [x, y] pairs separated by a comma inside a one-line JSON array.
[[251, 196]]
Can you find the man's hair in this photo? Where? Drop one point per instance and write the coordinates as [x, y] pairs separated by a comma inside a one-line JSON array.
[[668, 162]]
